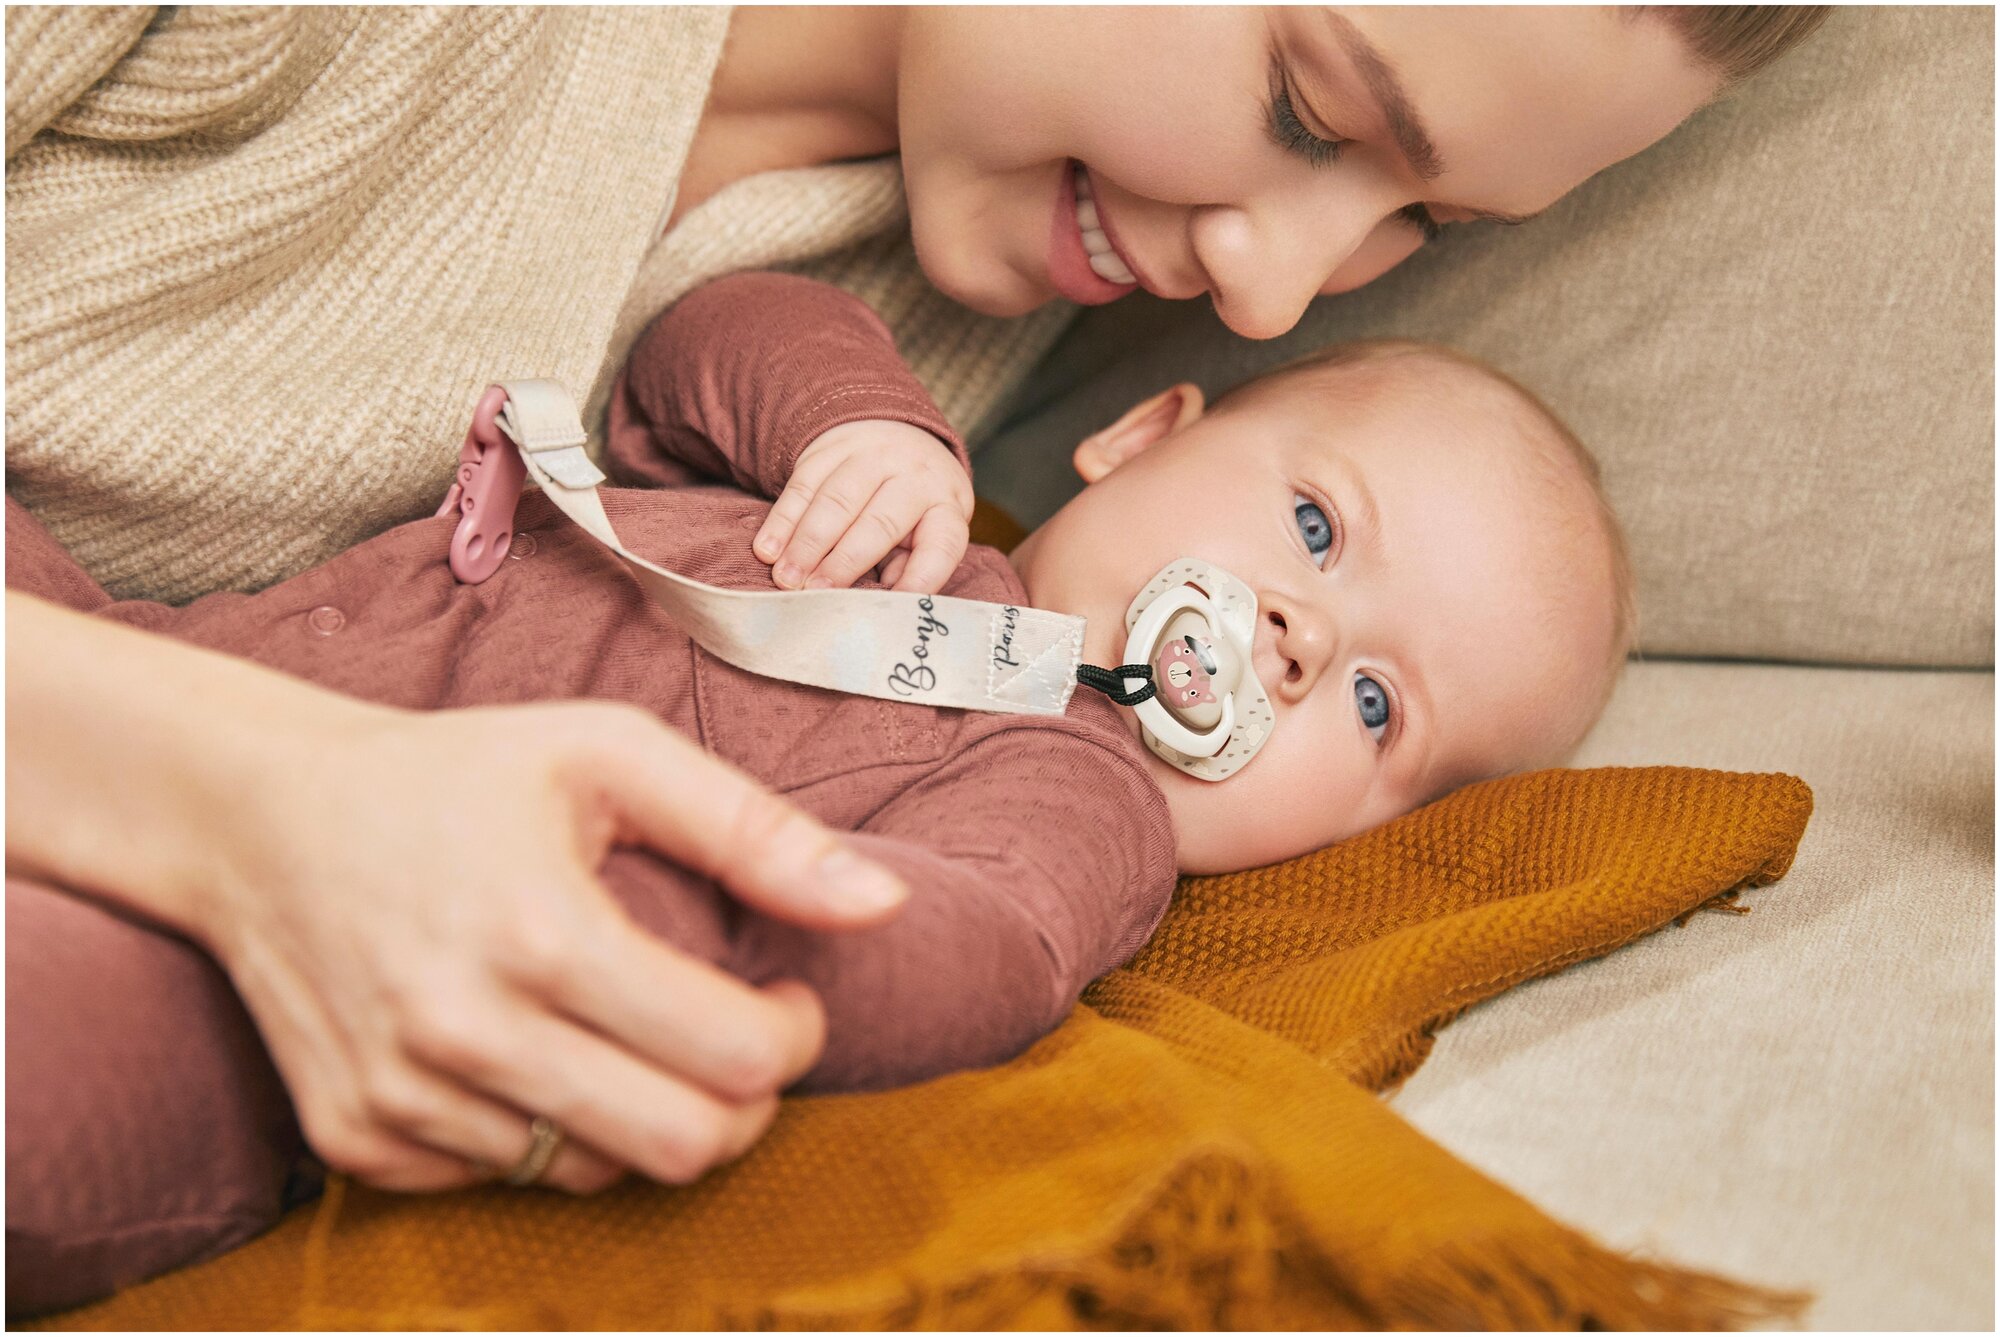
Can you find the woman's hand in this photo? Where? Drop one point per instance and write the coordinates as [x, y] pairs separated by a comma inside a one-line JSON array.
[[864, 491], [412, 919], [407, 903]]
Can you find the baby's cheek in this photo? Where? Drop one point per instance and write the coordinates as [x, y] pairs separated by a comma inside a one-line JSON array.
[[1297, 795]]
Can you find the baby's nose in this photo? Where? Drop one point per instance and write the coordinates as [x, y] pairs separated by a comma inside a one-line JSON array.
[[1300, 641], [1267, 654]]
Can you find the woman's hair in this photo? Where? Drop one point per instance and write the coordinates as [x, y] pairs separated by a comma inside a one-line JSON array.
[[1736, 41]]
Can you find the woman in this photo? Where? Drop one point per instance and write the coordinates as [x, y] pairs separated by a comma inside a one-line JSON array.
[[262, 263]]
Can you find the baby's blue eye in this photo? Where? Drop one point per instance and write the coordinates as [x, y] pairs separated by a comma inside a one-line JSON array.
[[1373, 703], [1314, 528]]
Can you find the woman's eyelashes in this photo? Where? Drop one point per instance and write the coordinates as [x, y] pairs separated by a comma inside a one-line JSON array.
[[1289, 132], [1419, 217], [1316, 528], [1372, 701]]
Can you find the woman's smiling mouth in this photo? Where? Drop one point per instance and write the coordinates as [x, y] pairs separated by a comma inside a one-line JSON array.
[[1085, 263], [1104, 258]]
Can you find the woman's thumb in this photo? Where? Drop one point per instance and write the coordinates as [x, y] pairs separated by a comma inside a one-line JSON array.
[[709, 816]]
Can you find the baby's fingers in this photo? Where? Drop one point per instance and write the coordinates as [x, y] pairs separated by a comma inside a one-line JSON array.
[[883, 524], [935, 551], [779, 525], [835, 504], [892, 568]]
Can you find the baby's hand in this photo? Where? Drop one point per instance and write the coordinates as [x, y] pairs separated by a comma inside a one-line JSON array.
[[864, 491]]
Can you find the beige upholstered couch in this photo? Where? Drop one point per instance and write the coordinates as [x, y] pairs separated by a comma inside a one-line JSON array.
[[1776, 330]]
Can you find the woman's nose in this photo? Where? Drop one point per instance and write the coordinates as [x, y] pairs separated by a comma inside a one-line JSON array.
[[1266, 261], [1302, 637]]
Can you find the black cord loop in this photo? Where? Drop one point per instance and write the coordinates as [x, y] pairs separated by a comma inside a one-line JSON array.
[[1111, 682]]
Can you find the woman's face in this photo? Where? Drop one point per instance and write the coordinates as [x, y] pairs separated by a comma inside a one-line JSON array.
[[1259, 156]]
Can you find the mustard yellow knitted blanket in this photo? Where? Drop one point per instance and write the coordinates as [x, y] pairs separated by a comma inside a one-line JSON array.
[[1198, 1146]]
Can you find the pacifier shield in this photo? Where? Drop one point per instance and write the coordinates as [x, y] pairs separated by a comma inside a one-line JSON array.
[[1192, 624]]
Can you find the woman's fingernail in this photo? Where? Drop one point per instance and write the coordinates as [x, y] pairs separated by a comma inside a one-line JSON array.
[[766, 547], [787, 575], [862, 885], [819, 583]]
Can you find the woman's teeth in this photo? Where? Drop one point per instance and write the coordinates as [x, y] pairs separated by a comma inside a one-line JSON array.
[[1104, 261]]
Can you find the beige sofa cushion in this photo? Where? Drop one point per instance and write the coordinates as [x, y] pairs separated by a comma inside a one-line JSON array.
[[1802, 1095], [1775, 329]]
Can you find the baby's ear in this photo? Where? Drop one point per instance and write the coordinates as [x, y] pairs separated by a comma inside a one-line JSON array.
[[1145, 424]]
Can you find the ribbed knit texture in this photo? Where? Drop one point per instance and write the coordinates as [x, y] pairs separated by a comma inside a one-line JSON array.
[[1197, 1147], [261, 262]]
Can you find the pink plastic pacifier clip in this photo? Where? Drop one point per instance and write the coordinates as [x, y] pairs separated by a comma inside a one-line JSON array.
[[486, 491]]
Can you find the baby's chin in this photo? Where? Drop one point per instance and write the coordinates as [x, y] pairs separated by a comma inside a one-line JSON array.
[[1103, 610], [1215, 834], [1202, 849]]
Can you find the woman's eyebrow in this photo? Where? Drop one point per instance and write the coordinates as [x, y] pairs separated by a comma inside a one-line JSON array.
[[1404, 124], [1387, 90]]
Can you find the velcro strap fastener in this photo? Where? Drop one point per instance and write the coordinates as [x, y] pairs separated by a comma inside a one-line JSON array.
[[541, 419]]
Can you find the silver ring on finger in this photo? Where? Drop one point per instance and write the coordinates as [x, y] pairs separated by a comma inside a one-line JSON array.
[[546, 1137]]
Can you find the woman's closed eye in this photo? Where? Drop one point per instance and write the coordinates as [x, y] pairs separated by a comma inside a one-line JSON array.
[[1288, 131], [1316, 528], [1373, 703]]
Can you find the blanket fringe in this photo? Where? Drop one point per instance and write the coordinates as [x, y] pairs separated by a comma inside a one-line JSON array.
[[1211, 1250], [1567, 1282]]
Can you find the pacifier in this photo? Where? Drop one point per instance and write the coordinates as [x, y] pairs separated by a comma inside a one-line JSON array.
[[1187, 671]]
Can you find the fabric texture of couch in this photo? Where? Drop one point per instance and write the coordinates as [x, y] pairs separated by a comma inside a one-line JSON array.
[[1802, 1097], [1775, 329]]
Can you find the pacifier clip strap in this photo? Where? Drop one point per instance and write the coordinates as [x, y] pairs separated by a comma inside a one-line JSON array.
[[1111, 682], [928, 649]]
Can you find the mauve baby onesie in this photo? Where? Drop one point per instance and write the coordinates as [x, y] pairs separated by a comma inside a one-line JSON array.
[[1038, 851]]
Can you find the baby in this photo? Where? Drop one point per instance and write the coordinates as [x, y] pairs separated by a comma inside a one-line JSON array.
[[1442, 591], [1439, 597]]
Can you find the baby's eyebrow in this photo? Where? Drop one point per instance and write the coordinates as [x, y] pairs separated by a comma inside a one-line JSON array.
[[1370, 528]]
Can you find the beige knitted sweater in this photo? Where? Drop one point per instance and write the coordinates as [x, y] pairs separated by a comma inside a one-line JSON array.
[[261, 262]]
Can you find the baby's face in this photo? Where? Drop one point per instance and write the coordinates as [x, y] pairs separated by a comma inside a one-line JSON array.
[[1434, 601]]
